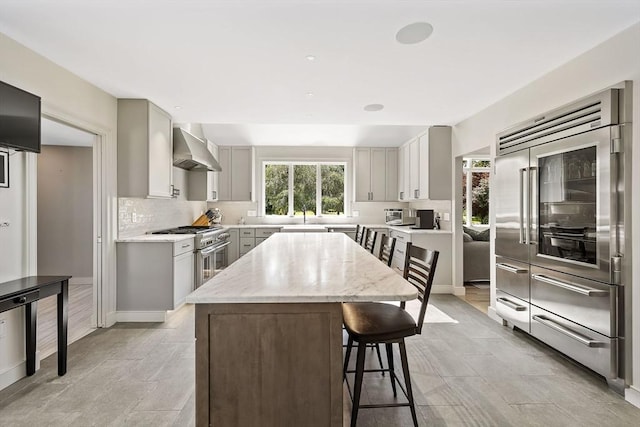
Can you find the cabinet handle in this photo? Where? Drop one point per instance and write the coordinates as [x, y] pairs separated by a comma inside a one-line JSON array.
[[214, 195], [573, 287], [512, 305], [511, 269], [566, 331], [186, 246], [416, 194], [250, 196], [402, 195]]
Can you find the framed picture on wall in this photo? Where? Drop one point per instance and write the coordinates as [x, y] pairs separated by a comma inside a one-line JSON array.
[[4, 169]]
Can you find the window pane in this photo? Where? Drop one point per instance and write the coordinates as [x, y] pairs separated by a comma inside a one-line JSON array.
[[332, 189], [481, 163], [480, 197], [276, 189], [304, 189], [464, 197]]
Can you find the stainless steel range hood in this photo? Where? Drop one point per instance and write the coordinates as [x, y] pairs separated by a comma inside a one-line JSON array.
[[191, 153]]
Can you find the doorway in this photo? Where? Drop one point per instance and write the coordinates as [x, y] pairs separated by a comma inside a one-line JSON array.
[[476, 246], [65, 228]]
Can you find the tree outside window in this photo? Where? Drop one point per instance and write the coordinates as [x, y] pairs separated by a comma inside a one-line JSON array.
[[290, 188], [475, 187]]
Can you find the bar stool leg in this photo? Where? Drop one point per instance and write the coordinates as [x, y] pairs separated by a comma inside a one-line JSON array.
[[407, 382], [346, 357], [357, 388], [379, 357], [392, 374]]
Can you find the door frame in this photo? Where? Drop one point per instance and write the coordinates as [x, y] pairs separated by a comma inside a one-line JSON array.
[[103, 175]]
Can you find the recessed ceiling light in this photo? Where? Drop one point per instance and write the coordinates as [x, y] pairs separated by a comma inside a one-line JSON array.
[[414, 33], [310, 94], [177, 107], [310, 58], [373, 107]]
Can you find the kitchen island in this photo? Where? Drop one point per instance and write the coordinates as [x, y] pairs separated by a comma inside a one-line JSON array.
[[268, 330]]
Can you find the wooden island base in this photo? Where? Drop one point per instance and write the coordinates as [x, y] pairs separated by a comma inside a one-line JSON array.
[[271, 364]]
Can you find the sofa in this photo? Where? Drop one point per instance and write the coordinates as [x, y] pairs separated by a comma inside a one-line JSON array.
[[476, 253]]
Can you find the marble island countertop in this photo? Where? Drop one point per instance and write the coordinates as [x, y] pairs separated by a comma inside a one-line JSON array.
[[305, 267]]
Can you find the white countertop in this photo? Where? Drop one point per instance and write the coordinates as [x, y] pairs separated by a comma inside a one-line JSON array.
[[151, 238], [409, 230], [305, 267]]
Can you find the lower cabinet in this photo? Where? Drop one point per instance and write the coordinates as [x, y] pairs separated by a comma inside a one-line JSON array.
[[439, 241], [153, 277], [247, 238]]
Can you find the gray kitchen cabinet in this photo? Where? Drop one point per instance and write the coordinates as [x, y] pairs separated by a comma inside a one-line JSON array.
[[145, 150], [376, 174], [252, 237], [235, 181], [233, 250], [403, 173], [426, 166], [153, 277], [202, 184]]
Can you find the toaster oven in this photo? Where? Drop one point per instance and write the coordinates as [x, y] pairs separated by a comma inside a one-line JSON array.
[[400, 216]]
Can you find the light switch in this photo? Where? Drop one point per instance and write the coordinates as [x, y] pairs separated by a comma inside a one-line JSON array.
[[446, 216]]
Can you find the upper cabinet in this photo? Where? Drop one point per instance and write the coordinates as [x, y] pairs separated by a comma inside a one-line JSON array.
[[236, 178], [145, 150], [203, 184], [376, 174], [425, 166]]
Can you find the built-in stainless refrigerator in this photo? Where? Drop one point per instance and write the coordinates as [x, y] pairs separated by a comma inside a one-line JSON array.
[[560, 198]]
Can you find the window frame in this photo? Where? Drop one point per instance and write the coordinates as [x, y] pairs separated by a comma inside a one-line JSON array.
[[290, 201], [467, 220]]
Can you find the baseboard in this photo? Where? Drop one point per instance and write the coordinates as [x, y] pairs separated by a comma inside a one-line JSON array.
[[491, 312], [442, 289], [81, 281], [110, 319], [141, 316], [11, 375], [632, 395]]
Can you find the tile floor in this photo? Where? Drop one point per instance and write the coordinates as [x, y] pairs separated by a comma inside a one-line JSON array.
[[473, 373]]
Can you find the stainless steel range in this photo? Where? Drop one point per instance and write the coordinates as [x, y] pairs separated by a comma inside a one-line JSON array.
[[561, 197], [210, 245]]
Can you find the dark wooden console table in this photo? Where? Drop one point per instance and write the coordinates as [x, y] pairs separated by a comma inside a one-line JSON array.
[[26, 292]]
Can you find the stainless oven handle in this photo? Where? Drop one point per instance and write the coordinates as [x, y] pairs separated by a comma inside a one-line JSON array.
[[521, 200], [583, 290], [207, 251], [511, 269], [568, 332], [512, 305]]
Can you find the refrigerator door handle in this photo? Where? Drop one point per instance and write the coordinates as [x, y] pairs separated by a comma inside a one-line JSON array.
[[521, 226]]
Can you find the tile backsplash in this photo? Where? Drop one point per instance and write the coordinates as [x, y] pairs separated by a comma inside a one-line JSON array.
[[139, 216]]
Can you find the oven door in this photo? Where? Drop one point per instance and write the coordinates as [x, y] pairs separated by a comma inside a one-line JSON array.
[[209, 262]]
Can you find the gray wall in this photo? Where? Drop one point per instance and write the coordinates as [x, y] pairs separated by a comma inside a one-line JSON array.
[[65, 211]]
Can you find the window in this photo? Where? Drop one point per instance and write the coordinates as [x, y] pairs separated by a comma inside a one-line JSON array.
[[475, 188], [291, 188]]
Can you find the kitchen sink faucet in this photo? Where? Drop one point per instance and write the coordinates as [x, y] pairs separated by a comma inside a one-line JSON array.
[[304, 214]]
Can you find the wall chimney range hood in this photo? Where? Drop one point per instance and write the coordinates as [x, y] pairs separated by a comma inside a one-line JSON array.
[[191, 153]]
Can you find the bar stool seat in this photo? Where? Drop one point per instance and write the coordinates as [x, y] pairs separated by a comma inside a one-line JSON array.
[[375, 322]]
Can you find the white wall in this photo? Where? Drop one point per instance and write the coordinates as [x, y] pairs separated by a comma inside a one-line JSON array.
[[603, 66], [70, 99]]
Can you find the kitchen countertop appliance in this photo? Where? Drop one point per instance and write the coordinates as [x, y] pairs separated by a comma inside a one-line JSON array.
[[400, 216], [561, 196], [211, 252], [425, 218]]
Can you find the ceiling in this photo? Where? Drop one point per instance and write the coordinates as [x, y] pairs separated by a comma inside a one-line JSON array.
[[240, 67]]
